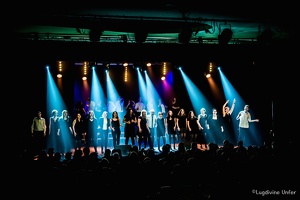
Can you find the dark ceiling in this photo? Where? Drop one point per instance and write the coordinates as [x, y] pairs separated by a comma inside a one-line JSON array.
[[163, 22]]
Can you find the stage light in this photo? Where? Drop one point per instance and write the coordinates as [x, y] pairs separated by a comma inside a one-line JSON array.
[[126, 73], [207, 75], [85, 71], [209, 71], [60, 69], [225, 36], [164, 71]]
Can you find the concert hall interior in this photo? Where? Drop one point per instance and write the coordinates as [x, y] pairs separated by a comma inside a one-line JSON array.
[[118, 70]]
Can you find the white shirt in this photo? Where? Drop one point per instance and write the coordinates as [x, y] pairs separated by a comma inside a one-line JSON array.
[[139, 106], [151, 119], [244, 118]]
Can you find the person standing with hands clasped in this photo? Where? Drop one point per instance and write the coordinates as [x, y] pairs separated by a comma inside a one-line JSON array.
[[92, 129], [202, 118], [104, 124], [143, 130], [66, 132], [54, 138], [215, 127], [38, 131], [193, 127], [161, 130], [78, 127], [130, 124], [152, 124], [115, 124], [244, 124]]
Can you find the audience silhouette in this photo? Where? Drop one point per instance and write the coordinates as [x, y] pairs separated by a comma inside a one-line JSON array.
[[188, 173]]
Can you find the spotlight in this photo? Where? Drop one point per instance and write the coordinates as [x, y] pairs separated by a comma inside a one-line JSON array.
[[209, 71], [164, 71], [225, 36], [126, 73], [207, 75], [85, 71], [60, 69]]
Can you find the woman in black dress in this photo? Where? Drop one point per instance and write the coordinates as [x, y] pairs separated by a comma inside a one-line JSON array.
[[143, 130], [115, 128], [193, 127], [130, 126], [171, 128]]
